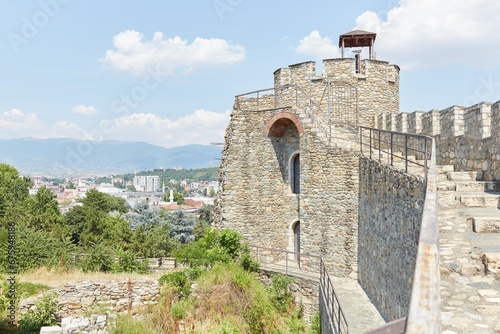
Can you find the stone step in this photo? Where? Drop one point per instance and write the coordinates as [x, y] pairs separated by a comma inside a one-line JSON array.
[[478, 186], [443, 178], [491, 261], [485, 224], [445, 168], [484, 200], [445, 185], [464, 176]]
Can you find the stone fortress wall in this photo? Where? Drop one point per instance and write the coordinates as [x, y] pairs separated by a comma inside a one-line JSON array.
[[466, 137], [268, 129], [341, 206]]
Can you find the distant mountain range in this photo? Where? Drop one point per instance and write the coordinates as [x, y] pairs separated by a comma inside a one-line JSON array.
[[70, 157]]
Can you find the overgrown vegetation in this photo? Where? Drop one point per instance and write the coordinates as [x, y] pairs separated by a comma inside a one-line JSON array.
[[218, 291]]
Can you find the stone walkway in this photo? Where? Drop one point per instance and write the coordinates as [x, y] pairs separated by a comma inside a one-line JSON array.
[[360, 313], [470, 296]]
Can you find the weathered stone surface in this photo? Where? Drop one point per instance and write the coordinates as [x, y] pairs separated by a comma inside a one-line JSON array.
[[78, 297]]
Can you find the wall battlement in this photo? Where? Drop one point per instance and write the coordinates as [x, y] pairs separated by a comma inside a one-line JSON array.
[[466, 137], [339, 93]]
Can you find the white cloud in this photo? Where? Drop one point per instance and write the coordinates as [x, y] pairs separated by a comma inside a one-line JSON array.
[[168, 56], [15, 121], [85, 110], [317, 46], [200, 127], [424, 33]]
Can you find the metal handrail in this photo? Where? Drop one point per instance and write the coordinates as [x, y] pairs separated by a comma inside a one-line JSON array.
[[334, 310], [389, 147]]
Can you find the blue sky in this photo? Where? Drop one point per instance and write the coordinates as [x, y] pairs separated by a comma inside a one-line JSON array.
[[166, 72]]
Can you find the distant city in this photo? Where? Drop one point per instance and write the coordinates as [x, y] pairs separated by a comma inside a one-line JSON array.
[[185, 194]]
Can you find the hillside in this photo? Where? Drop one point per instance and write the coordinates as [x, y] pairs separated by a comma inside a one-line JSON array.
[[69, 157]]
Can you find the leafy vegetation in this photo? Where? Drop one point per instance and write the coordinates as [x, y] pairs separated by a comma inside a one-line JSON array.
[[44, 314], [217, 293]]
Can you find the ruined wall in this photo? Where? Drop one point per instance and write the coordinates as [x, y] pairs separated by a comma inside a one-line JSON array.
[[467, 138], [390, 215], [78, 297]]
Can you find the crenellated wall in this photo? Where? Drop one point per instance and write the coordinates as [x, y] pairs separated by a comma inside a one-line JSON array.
[[467, 138]]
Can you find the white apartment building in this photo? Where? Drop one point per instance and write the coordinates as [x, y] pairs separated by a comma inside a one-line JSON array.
[[147, 183]]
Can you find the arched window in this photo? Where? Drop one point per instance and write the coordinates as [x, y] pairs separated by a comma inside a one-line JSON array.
[[296, 240], [296, 174]]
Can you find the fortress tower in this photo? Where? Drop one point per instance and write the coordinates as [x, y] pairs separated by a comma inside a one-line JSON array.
[[289, 174]]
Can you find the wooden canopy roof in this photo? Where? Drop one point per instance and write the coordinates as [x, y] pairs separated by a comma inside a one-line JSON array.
[[357, 38]]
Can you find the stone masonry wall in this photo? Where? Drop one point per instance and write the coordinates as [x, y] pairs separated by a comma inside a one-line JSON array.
[[390, 214], [257, 198], [467, 138], [119, 296]]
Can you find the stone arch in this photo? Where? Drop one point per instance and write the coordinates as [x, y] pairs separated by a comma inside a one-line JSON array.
[[277, 125]]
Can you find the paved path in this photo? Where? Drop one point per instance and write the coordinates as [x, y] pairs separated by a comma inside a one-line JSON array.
[[359, 311], [470, 300]]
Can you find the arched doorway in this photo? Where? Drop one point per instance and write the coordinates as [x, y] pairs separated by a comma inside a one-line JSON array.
[[296, 240]]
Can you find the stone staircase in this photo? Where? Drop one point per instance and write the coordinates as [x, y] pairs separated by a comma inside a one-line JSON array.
[[469, 228]]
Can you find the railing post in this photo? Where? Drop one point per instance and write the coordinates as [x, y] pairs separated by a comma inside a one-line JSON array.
[[370, 143], [392, 152], [379, 147], [406, 153], [360, 139], [286, 263], [425, 159]]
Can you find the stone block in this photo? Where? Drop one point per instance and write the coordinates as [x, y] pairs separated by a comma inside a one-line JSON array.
[[51, 330]]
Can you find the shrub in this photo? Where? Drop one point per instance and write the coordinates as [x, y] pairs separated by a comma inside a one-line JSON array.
[[177, 280], [216, 246], [44, 314], [99, 258], [280, 294], [315, 324], [127, 262]]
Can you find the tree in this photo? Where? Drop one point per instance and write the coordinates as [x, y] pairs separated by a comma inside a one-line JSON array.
[[181, 227], [44, 211], [142, 215], [13, 194], [178, 198], [104, 202]]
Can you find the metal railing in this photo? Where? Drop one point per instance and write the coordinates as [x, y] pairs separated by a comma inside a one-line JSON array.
[[307, 266], [391, 147], [336, 317]]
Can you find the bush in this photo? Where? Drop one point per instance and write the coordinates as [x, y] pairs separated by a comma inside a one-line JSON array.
[[178, 280], [44, 314], [99, 258], [216, 246], [280, 294], [315, 324], [127, 262]]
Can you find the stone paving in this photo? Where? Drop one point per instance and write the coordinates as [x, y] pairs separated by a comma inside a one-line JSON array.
[[360, 313], [470, 296]]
